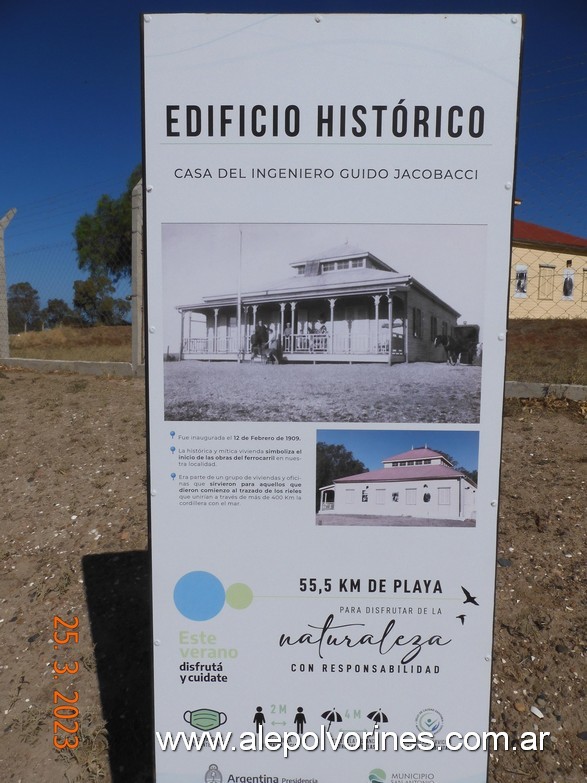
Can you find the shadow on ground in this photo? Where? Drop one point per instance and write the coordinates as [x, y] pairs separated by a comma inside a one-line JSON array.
[[118, 594]]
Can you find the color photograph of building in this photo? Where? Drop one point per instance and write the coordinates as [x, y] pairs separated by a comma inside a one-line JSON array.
[[421, 486]]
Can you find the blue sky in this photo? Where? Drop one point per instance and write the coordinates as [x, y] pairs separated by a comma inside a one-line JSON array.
[[373, 446], [71, 110]]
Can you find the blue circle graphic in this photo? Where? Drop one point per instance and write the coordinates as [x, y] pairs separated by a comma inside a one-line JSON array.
[[199, 595]]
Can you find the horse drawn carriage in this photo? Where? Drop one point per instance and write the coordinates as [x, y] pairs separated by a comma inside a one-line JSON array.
[[462, 346]]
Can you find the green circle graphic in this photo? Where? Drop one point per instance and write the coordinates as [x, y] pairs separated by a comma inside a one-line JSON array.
[[239, 596]]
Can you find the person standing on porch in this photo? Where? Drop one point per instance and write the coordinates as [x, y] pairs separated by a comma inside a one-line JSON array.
[[287, 334]]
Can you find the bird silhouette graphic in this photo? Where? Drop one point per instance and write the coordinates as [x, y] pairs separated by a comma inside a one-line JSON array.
[[469, 599], [461, 617]]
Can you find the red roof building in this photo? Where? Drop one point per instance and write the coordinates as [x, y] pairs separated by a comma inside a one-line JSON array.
[[548, 273]]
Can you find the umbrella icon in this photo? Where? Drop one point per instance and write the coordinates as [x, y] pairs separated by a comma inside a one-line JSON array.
[[378, 716], [332, 716]]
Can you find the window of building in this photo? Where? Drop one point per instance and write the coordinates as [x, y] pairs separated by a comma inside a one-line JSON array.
[[328, 266], [342, 264], [444, 329], [301, 269], [410, 497], [380, 497], [569, 281], [433, 327], [416, 322], [349, 496], [584, 293], [444, 496], [545, 281], [358, 263], [521, 280]]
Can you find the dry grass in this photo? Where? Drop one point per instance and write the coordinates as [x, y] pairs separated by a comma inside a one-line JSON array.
[[96, 343], [543, 351], [547, 351]]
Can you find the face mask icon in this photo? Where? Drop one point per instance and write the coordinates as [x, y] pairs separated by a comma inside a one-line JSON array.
[[205, 719]]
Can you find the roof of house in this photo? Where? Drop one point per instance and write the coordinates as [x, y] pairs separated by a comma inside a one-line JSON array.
[[422, 452], [532, 233], [403, 473], [341, 252], [378, 279]]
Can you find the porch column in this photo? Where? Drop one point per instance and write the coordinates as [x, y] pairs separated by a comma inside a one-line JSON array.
[[331, 302], [376, 299], [406, 324], [390, 321], [215, 335], [181, 338], [282, 324], [294, 328], [246, 328]]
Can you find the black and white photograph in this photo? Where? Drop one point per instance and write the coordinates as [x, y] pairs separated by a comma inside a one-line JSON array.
[[302, 322]]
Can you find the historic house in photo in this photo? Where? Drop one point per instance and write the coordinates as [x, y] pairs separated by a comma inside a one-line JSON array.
[[344, 305]]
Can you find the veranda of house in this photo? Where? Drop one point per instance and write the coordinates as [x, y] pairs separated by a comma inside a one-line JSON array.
[[346, 305]]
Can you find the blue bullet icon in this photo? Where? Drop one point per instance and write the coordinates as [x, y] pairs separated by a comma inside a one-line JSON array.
[[172, 433], [172, 449], [173, 476]]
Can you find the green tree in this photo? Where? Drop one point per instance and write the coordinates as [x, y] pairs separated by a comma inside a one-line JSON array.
[[104, 239], [57, 313], [94, 302], [470, 474], [334, 461], [23, 308]]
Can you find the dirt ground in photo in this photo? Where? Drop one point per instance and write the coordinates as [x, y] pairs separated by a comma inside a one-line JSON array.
[[73, 537], [251, 391], [370, 520]]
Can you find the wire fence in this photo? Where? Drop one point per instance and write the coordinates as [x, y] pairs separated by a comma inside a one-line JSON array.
[[56, 325], [548, 287], [77, 316]]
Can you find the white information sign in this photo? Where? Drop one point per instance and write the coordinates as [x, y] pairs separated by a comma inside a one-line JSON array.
[[328, 204]]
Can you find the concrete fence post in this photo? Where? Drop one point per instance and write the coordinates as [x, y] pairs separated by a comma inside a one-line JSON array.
[[137, 306], [4, 344]]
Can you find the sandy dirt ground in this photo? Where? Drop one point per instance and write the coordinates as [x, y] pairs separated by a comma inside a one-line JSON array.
[[73, 538]]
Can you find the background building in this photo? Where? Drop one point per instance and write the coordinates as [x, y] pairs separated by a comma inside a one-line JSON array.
[[548, 273]]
